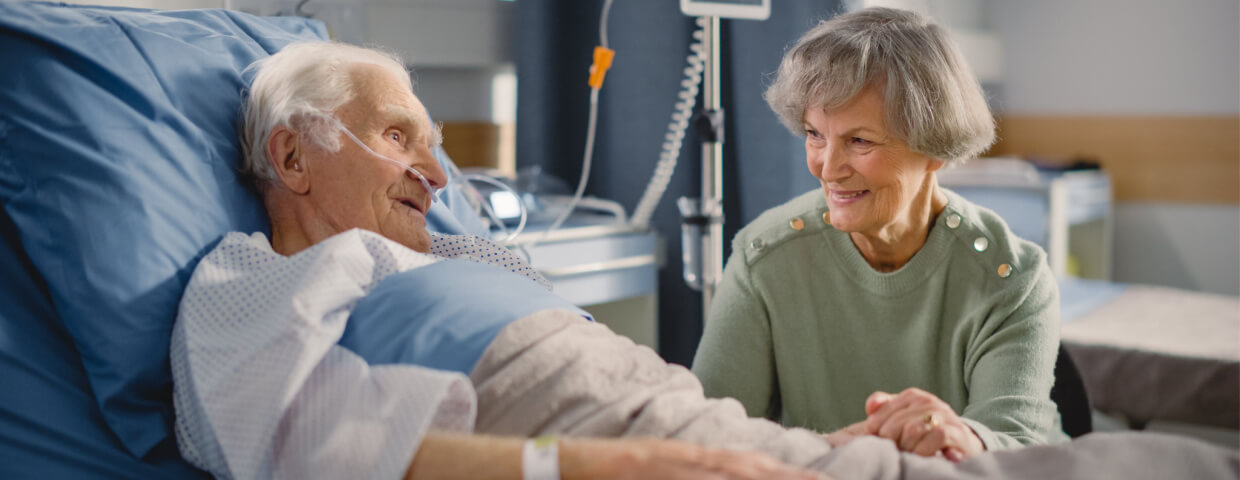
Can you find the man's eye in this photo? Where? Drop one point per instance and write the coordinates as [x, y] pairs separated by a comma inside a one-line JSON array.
[[395, 136]]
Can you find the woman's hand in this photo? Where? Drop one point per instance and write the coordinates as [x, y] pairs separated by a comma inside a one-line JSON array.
[[920, 422], [654, 458]]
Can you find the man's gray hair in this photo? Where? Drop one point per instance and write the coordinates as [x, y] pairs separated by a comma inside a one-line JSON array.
[[300, 87], [932, 100]]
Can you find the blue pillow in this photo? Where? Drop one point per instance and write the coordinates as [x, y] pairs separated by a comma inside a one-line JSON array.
[[50, 426], [434, 316], [118, 158]]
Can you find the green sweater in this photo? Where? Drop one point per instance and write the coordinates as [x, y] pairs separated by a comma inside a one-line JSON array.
[[802, 329]]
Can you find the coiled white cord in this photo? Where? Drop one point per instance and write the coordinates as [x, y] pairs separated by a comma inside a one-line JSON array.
[[675, 136]]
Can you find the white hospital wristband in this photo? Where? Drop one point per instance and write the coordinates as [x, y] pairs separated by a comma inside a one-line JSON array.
[[540, 459]]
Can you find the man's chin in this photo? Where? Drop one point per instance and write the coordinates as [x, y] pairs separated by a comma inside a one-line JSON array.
[[417, 239], [420, 243]]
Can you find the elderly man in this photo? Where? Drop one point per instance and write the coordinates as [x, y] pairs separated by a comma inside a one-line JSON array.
[[340, 150], [294, 356]]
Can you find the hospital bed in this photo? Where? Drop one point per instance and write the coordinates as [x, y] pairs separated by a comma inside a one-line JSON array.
[[118, 157], [1147, 354], [118, 172]]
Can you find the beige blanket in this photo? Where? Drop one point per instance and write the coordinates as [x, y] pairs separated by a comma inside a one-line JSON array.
[[552, 373]]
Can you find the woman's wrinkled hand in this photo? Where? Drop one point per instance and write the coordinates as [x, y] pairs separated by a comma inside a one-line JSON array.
[[920, 422], [656, 458]]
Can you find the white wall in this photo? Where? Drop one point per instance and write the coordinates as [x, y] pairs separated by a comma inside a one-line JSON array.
[[1102, 57], [967, 22], [456, 48], [445, 33], [1188, 246], [154, 4], [455, 94], [1134, 57]]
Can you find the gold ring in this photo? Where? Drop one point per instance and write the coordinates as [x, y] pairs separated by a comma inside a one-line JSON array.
[[931, 421]]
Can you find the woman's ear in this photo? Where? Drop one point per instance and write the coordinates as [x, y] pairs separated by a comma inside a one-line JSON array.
[[935, 164], [285, 154]]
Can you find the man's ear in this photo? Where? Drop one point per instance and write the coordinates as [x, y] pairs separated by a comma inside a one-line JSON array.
[[285, 154]]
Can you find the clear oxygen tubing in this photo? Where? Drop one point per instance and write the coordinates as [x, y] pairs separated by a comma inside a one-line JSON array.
[[485, 206], [675, 136], [435, 192], [457, 177], [591, 127]]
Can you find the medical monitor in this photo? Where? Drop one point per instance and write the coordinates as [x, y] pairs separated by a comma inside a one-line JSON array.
[[748, 9]]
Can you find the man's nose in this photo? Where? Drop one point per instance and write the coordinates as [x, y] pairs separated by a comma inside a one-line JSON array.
[[429, 167]]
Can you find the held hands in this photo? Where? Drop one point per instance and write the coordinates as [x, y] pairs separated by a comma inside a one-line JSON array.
[[917, 421], [654, 458]]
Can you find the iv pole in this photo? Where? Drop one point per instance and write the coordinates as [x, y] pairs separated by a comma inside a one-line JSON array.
[[710, 126], [702, 221]]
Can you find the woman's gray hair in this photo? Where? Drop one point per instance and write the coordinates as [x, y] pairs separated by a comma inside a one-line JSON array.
[[300, 87], [932, 100]]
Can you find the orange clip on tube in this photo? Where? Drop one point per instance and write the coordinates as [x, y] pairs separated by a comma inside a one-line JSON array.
[[602, 62]]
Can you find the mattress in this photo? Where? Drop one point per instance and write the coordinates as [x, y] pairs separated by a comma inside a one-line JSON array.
[[1155, 353]]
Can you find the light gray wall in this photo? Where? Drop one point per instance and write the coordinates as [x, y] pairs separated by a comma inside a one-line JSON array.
[[1104, 57], [455, 94], [1186, 246], [456, 47], [444, 33], [1134, 57], [154, 4]]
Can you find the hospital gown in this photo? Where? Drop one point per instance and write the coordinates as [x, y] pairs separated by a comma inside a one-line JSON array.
[[261, 388]]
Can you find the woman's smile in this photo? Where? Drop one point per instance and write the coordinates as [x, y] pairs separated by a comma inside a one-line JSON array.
[[844, 198]]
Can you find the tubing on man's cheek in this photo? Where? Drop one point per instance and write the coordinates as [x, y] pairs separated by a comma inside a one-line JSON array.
[[425, 183]]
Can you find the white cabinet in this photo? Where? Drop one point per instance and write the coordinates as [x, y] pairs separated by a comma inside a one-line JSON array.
[[607, 268], [1068, 213]]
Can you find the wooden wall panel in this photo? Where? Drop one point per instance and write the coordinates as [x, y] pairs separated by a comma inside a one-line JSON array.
[[1150, 158], [472, 144]]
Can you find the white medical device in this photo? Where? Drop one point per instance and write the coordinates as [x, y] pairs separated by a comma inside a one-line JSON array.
[[748, 9]]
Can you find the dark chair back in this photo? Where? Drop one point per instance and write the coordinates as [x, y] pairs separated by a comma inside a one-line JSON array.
[[1069, 395]]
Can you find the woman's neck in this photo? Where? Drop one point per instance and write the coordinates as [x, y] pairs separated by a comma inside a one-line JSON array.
[[892, 247]]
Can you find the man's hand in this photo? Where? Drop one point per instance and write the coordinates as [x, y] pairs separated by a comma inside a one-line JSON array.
[[922, 423], [844, 435], [638, 459]]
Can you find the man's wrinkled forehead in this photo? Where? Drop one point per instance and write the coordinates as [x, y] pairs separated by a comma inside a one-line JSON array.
[[413, 115], [378, 91]]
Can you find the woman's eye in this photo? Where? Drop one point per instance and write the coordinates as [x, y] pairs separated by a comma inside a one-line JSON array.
[[860, 141], [395, 136], [812, 133]]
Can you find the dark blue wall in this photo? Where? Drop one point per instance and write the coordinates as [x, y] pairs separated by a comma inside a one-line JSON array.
[[764, 163]]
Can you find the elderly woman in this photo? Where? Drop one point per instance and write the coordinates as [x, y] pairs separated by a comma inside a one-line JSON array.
[[884, 281]]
